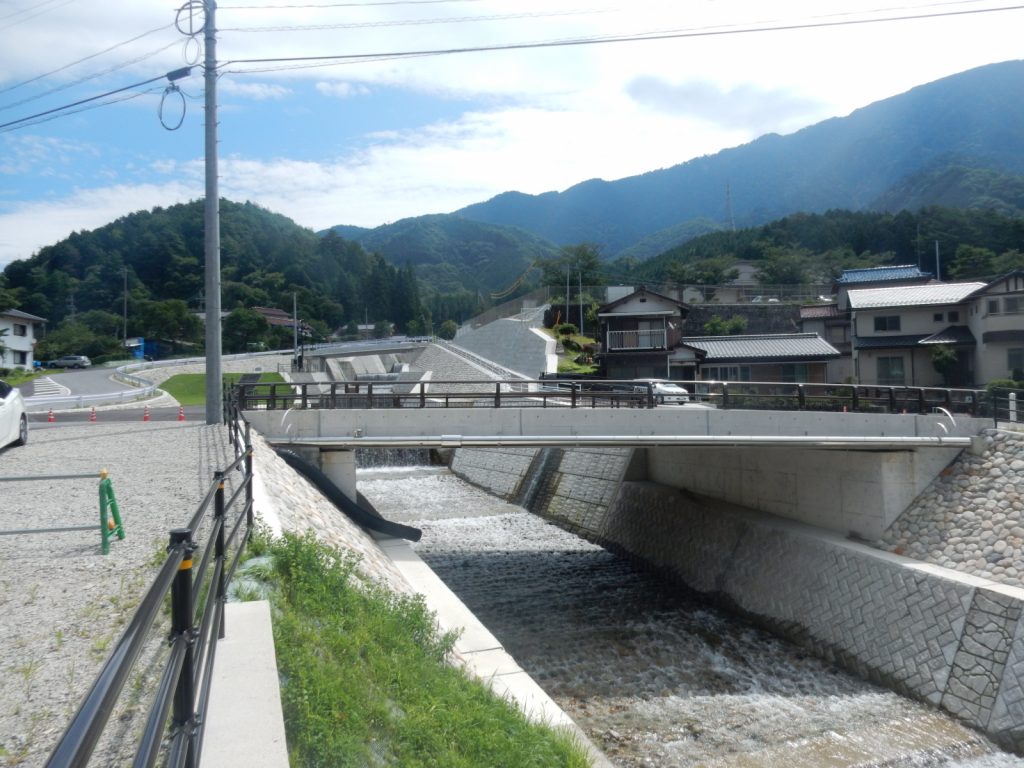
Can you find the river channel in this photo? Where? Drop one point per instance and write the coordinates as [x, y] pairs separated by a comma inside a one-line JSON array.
[[654, 675]]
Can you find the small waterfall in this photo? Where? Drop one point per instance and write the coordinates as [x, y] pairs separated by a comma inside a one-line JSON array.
[[538, 484], [375, 458]]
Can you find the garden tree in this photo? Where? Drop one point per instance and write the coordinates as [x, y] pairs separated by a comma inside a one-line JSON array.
[[734, 326], [243, 327], [944, 362], [74, 338], [169, 320], [448, 330], [714, 271], [583, 260], [382, 329], [102, 323], [3, 347], [784, 266], [972, 262], [1008, 261], [352, 329]]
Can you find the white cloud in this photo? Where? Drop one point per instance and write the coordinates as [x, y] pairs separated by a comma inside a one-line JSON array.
[[341, 89], [255, 91]]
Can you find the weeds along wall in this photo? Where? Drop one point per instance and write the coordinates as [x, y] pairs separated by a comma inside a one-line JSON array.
[[944, 637]]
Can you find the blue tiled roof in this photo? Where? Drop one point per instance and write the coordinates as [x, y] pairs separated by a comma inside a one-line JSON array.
[[881, 274]]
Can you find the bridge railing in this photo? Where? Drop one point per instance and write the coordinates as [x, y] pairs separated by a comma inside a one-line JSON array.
[[178, 713], [571, 393]]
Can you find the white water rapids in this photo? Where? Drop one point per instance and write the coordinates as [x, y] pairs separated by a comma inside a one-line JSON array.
[[655, 676]]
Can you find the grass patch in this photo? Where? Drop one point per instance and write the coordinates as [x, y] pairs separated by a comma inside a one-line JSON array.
[[365, 681], [190, 388]]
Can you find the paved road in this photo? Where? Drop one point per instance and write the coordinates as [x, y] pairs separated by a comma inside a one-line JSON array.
[[193, 413], [91, 381]]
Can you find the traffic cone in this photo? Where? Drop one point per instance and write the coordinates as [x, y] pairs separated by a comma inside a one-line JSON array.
[[92, 416], [181, 413], [51, 418], [145, 413]]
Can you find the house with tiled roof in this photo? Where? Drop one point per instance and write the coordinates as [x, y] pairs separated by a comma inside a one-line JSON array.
[[896, 330], [789, 357], [641, 338], [17, 345], [877, 277]]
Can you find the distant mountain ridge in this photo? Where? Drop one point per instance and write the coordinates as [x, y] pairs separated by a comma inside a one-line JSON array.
[[451, 253], [973, 121]]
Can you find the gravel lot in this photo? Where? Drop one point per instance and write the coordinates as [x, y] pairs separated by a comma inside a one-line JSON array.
[[64, 604]]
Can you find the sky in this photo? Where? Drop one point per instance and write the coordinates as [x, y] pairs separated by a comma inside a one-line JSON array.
[[411, 122]]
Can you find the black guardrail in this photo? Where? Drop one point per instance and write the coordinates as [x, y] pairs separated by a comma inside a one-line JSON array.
[[590, 393], [177, 714], [1007, 405]]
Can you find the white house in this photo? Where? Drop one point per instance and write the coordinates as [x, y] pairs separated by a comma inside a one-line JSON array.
[[19, 341], [895, 329]]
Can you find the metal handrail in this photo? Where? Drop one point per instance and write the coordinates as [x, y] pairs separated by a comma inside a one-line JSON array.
[[193, 638], [591, 393]]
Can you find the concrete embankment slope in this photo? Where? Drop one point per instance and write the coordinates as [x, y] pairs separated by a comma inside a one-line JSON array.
[[287, 502], [955, 640]]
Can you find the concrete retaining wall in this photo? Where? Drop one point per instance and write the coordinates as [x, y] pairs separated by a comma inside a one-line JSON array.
[[948, 638]]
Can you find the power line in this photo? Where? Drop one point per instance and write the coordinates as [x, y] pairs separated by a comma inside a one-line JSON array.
[[84, 59], [30, 121], [79, 81], [39, 11], [409, 22], [598, 40], [20, 122], [337, 5]]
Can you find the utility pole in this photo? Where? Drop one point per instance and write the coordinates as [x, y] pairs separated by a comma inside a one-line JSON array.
[[214, 398], [938, 275], [125, 337], [580, 274]]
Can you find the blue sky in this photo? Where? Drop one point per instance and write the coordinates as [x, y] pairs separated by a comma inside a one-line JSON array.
[[380, 139]]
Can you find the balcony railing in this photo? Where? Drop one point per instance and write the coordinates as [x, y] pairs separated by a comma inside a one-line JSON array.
[[619, 341]]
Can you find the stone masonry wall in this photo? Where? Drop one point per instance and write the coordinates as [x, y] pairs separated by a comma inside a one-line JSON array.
[[952, 639]]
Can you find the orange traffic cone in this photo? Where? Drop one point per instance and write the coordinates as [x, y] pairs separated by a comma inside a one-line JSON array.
[[145, 413], [51, 418], [92, 416], [181, 413]]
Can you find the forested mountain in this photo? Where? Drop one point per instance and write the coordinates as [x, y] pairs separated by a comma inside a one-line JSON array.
[[451, 253], [895, 153], [806, 247], [265, 259]]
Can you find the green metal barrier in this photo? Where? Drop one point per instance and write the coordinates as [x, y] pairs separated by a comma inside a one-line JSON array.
[[110, 515]]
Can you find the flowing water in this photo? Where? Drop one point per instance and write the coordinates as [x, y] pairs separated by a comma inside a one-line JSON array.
[[652, 674]]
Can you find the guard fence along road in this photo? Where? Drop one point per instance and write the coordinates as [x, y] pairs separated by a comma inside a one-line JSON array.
[[184, 686], [592, 393]]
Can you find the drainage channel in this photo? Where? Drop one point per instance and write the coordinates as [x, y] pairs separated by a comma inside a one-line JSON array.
[[655, 676]]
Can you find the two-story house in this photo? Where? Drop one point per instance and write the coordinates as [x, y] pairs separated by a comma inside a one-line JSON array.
[[17, 345], [641, 338], [996, 319], [896, 329]]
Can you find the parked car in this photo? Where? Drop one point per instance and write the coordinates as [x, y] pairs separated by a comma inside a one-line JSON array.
[[70, 361], [665, 392], [13, 422]]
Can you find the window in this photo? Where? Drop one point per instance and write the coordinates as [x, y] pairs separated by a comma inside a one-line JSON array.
[[726, 373], [795, 372], [20, 330], [1015, 363], [890, 371], [993, 306], [937, 317], [20, 358], [953, 317], [887, 323], [1013, 305]]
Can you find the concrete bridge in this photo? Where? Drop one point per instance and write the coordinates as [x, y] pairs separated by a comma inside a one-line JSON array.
[[853, 473]]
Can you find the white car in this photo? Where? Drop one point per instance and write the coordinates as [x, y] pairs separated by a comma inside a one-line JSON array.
[[13, 421], [666, 392]]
